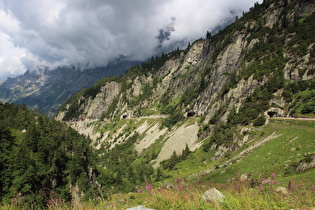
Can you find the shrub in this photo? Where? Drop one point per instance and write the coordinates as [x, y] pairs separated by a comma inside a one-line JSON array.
[[260, 121]]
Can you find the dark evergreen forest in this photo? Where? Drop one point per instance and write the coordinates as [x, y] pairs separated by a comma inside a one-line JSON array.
[[40, 158]]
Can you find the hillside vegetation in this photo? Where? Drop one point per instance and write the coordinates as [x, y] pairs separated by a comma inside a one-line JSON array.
[[46, 164], [41, 159], [233, 111]]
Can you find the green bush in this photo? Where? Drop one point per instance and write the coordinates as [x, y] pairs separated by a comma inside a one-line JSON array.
[[172, 120], [260, 121]]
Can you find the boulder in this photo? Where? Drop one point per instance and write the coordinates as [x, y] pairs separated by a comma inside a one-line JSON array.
[[168, 185], [244, 177], [213, 195], [282, 190], [139, 208]]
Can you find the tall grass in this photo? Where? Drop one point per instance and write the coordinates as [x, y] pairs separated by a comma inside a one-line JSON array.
[[260, 193], [249, 194]]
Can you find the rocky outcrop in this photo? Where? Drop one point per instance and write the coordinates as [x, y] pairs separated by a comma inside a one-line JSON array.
[[94, 108]]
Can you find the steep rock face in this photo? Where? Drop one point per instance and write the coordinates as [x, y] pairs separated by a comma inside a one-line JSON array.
[[234, 77], [95, 107]]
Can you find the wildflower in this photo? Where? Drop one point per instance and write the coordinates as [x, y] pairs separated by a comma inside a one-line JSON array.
[[312, 188], [273, 175], [148, 187], [139, 191], [179, 180], [261, 187], [265, 181], [291, 185], [181, 187], [302, 185]]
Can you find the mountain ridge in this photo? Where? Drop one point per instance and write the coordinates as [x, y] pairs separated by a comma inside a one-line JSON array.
[[250, 71], [46, 90], [29, 88]]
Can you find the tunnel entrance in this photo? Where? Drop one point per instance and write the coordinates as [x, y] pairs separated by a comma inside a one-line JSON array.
[[191, 114], [272, 114]]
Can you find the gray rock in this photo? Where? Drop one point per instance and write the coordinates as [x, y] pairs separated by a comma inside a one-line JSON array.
[[168, 185], [139, 208], [243, 177], [213, 195], [282, 190]]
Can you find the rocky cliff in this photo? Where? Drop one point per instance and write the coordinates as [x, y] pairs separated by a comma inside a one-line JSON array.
[[252, 70]]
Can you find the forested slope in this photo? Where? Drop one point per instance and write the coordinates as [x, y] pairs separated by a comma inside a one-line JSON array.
[[41, 159]]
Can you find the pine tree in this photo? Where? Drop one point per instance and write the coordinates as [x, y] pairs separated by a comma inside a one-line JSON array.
[[6, 153], [159, 175], [185, 153], [208, 36]]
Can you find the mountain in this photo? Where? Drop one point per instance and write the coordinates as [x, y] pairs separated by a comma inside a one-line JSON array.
[[258, 62], [46, 90], [213, 98], [235, 111]]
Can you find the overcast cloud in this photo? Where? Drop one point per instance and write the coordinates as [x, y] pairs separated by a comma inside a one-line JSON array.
[[51, 33]]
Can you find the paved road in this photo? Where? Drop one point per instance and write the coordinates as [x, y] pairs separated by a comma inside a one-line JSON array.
[[154, 116], [292, 118]]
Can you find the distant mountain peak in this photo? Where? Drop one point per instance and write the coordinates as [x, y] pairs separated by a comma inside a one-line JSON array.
[[47, 89]]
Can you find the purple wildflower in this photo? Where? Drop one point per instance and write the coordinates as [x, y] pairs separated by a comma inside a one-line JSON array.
[[139, 191], [265, 181], [148, 187], [180, 180]]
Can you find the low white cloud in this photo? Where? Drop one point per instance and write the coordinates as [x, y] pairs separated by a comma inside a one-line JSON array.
[[60, 32]]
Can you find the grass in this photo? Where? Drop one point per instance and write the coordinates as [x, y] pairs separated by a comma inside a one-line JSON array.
[[261, 193], [277, 155], [248, 194]]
